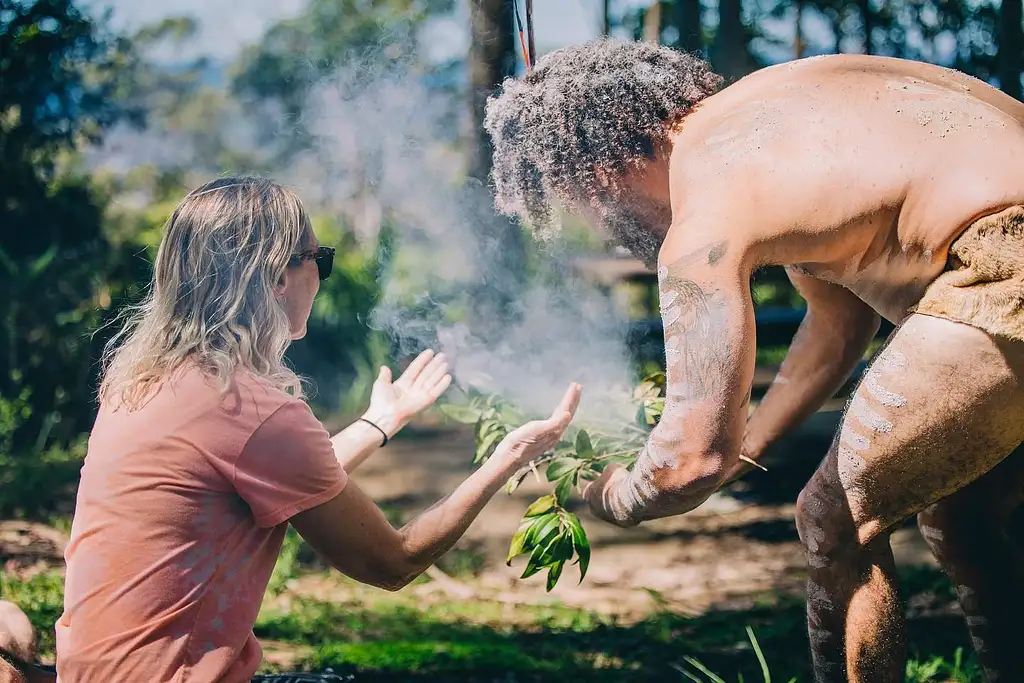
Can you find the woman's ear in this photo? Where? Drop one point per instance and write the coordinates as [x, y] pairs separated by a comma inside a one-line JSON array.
[[282, 285]]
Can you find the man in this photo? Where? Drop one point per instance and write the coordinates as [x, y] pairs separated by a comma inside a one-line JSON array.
[[887, 188]]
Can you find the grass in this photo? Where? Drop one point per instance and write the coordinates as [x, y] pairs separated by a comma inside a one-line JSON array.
[[409, 636], [371, 632], [42, 599]]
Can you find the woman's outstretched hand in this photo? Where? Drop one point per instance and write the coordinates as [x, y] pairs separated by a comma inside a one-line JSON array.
[[534, 439], [394, 404]]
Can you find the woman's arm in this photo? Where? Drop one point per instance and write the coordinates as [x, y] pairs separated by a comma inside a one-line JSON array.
[[354, 444], [392, 405], [353, 534]]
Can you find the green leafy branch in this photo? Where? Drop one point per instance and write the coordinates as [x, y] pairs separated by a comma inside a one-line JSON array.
[[549, 533]]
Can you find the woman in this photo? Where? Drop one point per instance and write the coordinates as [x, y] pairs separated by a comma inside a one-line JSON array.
[[203, 452]]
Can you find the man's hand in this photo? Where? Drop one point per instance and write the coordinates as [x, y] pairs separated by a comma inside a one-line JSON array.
[[596, 495], [394, 404]]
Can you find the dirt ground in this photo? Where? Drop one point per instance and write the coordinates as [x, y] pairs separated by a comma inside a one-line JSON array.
[[738, 546], [735, 551]]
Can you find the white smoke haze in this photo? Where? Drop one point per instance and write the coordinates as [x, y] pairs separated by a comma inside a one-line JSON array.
[[388, 134], [388, 147]]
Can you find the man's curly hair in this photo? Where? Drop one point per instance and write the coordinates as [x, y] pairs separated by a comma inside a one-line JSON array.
[[602, 104]]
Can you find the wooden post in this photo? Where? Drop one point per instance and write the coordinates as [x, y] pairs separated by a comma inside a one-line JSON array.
[[652, 23]]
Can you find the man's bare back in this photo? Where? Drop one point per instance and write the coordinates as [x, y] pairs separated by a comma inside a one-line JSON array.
[[888, 188], [860, 170]]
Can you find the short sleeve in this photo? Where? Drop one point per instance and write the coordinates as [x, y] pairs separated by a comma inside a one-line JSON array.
[[288, 466]]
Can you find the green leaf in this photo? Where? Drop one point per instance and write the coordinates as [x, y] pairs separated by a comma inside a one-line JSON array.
[[554, 573], [645, 390], [584, 447], [540, 530], [546, 529], [657, 378], [652, 411], [518, 545], [563, 549], [487, 445], [462, 414], [483, 425], [580, 542], [540, 506], [40, 264], [540, 558], [511, 415], [560, 467], [563, 489], [532, 567]]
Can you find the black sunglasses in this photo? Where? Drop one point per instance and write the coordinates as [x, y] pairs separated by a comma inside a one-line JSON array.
[[324, 257]]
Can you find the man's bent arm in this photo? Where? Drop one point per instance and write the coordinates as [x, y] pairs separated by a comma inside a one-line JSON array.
[[831, 340], [708, 319]]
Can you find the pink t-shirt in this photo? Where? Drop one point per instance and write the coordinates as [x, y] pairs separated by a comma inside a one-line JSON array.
[[181, 512]]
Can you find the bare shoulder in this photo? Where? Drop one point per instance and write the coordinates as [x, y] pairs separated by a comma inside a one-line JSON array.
[[813, 160], [703, 246]]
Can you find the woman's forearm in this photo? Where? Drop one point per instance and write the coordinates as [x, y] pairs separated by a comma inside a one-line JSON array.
[[354, 444], [433, 532], [353, 533]]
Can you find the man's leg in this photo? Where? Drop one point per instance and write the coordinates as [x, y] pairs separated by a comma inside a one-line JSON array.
[[942, 404], [969, 534]]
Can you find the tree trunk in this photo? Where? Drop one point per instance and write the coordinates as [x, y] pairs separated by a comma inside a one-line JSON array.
[[688, 23], [867, 16], [1011, 47], [798, 47], [606, 18], [492, 58], [837, 32], [731, 57], [652, 23]]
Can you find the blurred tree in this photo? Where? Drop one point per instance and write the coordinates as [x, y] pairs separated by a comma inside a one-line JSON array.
[[867, 17], [62, 78], [686, 17], [491, 59], [296, 54], [679, 23], [1011, 47]]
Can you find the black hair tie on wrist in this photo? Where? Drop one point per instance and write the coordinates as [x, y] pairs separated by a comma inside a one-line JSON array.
[[382, 432]]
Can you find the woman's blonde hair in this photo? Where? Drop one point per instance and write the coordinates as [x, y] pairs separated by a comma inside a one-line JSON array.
[[212, 302]]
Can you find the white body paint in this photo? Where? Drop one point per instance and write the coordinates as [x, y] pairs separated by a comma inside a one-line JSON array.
[[852, 443], [867, 417], [932, 534]]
